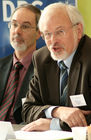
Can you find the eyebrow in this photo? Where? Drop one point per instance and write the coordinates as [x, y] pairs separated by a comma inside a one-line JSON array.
[[26, 22], [59, 27]]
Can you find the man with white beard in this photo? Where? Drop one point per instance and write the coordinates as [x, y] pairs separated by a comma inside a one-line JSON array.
[[59, 96]]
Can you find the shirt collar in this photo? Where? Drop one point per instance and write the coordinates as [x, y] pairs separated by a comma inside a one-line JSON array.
[[25, 61], [68, 61]]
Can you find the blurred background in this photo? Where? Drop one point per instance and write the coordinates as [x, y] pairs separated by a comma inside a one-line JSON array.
[[8, 6]]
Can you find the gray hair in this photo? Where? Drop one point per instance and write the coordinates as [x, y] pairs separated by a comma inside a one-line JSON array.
[[73, 13]]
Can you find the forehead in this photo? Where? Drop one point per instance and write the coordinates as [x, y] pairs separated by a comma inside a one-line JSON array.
[[23, 14], [52, 19]]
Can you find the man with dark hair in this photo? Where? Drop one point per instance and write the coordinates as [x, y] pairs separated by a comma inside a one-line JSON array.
[[23, 35]]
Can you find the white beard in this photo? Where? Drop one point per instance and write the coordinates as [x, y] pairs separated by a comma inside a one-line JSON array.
[[18, 47], [61, 56]]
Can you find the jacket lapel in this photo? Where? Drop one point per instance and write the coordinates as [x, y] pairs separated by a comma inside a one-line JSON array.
[[4, 73], [52, 78], [73, 80]]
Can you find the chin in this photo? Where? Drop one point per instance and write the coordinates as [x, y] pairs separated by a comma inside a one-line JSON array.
[[19, 47], [57, 57]]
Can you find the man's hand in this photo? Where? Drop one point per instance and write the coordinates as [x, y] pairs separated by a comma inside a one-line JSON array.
[[72, 116], [38, 125]]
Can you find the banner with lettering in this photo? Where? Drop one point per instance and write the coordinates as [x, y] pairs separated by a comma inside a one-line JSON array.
[[6, 9]]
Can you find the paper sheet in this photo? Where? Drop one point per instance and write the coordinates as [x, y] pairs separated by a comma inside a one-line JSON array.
[[46, 135], [79, 133], [6, 131]]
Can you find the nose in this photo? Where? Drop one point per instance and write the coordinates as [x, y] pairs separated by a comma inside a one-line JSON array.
[[18, 29], [53, 37]]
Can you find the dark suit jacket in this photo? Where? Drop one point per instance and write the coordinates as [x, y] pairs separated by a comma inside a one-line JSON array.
[[44, 91], [5, 67]]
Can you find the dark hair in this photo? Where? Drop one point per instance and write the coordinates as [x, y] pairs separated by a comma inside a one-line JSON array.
[[32, 8]]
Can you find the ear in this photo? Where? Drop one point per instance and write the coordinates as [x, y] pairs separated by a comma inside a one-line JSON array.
[[80, 30], [38, 34]]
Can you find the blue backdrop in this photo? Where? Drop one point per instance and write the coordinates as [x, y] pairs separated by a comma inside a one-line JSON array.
[[6, 9]]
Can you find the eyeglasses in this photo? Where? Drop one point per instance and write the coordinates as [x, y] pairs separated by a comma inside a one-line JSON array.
[[24, 27], [58, 33]]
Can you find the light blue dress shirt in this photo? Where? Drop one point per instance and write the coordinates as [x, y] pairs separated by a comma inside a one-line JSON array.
[[55, 125]]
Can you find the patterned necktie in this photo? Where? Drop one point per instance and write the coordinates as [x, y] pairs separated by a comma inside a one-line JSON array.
[[64, 79], [10, 91]]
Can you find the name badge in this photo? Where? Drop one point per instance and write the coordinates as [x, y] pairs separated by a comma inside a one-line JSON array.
[[78, 100]]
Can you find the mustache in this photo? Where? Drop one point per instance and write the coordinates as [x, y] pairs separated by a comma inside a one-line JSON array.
[[56, 45], [17, 37]]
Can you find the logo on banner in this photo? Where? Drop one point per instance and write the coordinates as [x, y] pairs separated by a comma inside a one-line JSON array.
[[8, 7]]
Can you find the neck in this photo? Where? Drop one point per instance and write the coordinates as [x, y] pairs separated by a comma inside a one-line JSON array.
[[21, 54]]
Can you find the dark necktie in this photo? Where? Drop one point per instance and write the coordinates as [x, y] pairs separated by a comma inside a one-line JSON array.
[[10, 91], [64, 79]]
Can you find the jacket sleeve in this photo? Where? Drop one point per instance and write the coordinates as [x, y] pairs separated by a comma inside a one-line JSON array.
[[34, 106]]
